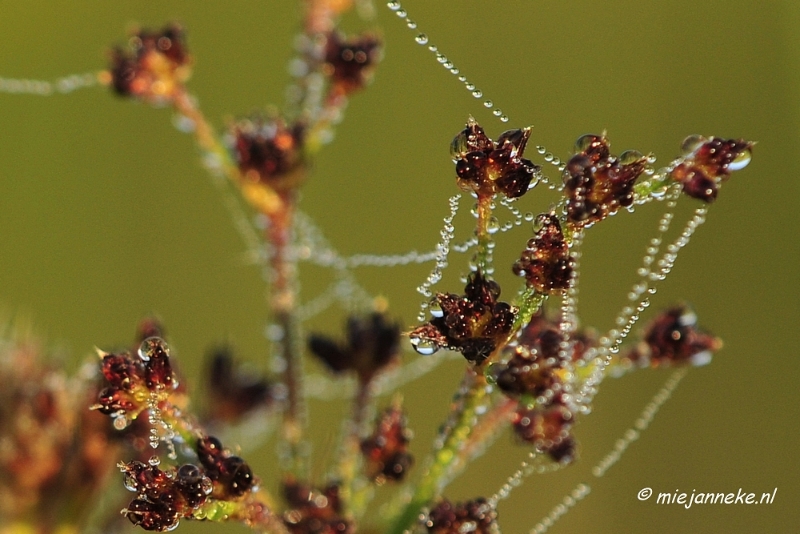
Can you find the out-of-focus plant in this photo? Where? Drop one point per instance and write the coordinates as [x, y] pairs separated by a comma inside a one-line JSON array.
[[529, 365]]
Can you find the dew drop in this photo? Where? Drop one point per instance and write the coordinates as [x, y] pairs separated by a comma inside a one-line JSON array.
[[630, 156], [121, 422], [498, 113], [470, 86], [477, 93], [741, 161], [154, 460], [425, 347], [488, 104], [692, 143], [462, 79], [411, 24], [129, 481], [394, 6], [503, 118], [493, 225], [436, 310], [459, 146], [584, 142]]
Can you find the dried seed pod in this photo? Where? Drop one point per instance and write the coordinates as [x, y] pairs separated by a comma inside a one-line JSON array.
[[708, 163]]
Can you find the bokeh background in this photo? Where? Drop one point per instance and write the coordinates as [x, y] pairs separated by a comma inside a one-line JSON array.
[[106, 215]]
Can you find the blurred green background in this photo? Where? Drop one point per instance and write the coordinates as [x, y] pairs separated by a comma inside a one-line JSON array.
[[106, 215]]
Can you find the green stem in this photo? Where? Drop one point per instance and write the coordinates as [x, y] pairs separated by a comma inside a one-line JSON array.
[[483, 254], [430, 485]]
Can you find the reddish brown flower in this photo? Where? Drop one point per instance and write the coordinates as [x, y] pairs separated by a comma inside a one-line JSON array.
[[488, 167], [130, 382], [473, 325], [708, 163], [312, 511], [268, 151], [476, 516], [548, 428], [386, 450], [230, 474], [673, 338], [350, 62], [598, 184], [164, 497], [154, 67], [373, 342], [546, 264], [233, 392]]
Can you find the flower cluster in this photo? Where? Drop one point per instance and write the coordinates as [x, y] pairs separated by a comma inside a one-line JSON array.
[[163, 497], [538, 374], [673, 338], [313, 511], [154, 67], [268, 151], [547, 264], [372, 344], [476, 516], [596, 183], [350, 61], [134, 384], [488, 167], [386, 450], [708, 163], [474, 324]]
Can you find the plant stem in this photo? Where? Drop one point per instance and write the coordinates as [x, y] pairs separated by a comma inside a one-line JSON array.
[[430, 485]]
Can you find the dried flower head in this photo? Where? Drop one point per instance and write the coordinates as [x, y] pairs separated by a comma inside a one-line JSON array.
[[132, 383], [230, 474], [163, 497], [476, 516], [548, 428], [269, 152], [708, 163], [597, 184], [473, 325], [386, 450], [53, 450], [312, 511], [673, 338], [234, 392], [350, 61], [489, 167], [373, 342], [154, 67], [546, 264]]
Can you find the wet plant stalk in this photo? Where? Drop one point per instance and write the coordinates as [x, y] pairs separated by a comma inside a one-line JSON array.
[[460, 433]]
